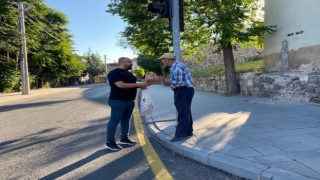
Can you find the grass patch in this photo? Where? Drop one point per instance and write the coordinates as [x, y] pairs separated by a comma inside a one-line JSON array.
[[248, 66]]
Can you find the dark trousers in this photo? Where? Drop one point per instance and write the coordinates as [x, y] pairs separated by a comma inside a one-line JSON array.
[[182, 101]]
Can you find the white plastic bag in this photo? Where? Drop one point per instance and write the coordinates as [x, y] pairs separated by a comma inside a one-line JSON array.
[[146, 104]]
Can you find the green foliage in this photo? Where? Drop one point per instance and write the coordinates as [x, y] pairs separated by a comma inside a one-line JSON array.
[[208, 72], [147, 34], [255, 58], [9, 78], [139, 73], [49, 44], [206, 22], [9, 34], [228, 21], [248, 66], [94, 64], [52, 57], [149, 64]]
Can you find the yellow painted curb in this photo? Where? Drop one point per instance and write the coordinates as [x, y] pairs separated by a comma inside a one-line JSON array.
[[158, 169]]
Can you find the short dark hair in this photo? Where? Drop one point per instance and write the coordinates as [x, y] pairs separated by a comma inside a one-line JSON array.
[[122, 59]]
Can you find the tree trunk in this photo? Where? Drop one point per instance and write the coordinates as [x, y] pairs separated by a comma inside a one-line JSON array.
[[40, 83], [230, 72]]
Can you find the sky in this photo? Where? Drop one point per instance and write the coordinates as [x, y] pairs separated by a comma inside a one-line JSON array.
[[92, 27]]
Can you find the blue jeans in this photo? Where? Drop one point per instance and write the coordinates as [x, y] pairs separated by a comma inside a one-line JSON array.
[[121, 111]]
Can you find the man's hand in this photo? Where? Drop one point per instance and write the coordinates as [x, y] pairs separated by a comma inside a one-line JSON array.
[[153, 79], [166, 81], [143, 85]]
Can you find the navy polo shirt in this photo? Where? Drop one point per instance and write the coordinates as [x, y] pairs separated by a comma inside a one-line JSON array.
[[125, 76]]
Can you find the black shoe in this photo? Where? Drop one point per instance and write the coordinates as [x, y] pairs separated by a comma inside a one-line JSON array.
[[113, 146], [127, 141], [190, 134]]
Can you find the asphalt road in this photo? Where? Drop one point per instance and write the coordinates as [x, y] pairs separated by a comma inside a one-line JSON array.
[[61, 136]]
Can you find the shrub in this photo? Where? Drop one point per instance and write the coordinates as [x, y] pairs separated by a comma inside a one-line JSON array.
[[9, 78]]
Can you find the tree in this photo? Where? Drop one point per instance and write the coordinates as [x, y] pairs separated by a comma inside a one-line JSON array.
[[222, 22], [147, 35], [149, 63], [228, 22], [139, 73], [50, 54], [8, 77], [9, 48], [94, 64]]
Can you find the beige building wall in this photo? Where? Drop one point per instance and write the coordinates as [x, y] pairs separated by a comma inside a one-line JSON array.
[[297, 22]]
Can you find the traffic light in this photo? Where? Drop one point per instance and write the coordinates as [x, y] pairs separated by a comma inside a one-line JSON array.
[[162, 8]]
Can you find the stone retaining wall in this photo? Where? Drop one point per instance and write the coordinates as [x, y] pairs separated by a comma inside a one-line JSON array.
[[285, 87], [215, 83], [210, 59]]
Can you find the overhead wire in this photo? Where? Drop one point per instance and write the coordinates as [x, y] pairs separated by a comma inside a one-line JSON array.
[[52, 30], [40, 24], [43, 28], [47, 22]]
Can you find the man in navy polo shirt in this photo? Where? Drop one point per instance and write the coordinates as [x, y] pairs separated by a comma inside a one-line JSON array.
[[121, 100]]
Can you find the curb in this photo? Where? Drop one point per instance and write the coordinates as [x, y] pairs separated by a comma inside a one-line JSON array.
[[231, 164]]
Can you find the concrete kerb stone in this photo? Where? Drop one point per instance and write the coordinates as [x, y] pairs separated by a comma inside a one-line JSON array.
[[234, 165]]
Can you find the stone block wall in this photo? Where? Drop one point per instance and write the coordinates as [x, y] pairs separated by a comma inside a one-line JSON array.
[[211, 59], [215, 83], [284, 87]]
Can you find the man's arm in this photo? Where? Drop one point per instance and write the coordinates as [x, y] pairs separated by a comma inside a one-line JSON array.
[[121, 84]]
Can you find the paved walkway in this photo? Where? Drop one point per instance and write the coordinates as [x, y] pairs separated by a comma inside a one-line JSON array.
[[250, 138]]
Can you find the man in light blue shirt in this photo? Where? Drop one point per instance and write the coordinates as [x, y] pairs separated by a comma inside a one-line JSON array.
[[181, 83]]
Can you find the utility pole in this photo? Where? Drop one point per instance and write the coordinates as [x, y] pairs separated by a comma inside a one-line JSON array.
[[105, 63], [24, 58], [176, 29]]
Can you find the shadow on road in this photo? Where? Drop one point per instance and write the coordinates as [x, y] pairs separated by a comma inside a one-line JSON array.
[[75, 165], [84, 135], [98, 94], [30, 105], [125, 163]]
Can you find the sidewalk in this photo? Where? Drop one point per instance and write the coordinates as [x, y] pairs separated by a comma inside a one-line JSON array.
[[250, 138]]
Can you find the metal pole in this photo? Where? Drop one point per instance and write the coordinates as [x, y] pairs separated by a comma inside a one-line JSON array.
[[25, 75], [105, 63], [176, 29]]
